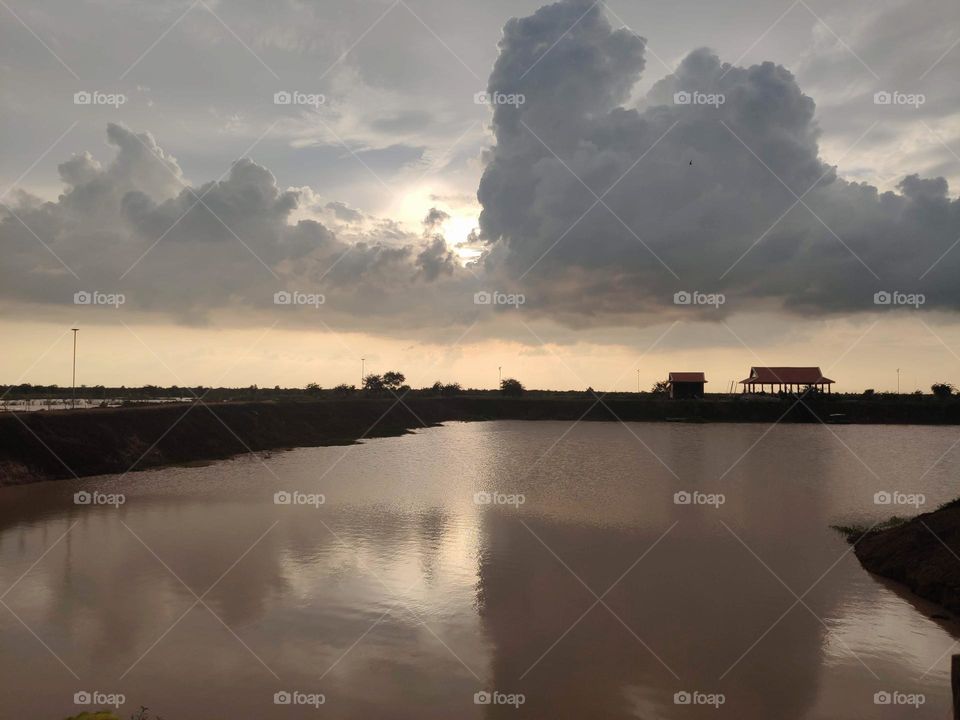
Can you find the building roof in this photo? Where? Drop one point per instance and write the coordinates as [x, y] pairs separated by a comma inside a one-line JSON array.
[[786, 376], [694, 377]]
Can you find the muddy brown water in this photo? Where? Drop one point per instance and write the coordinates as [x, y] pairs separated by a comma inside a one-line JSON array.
[[552, 566]]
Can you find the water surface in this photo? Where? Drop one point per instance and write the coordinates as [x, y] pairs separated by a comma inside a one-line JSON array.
[[400, 596]]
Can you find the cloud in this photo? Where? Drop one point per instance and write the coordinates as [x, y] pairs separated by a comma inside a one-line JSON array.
[[603, 210], [596, 210], [435, 218], [220, 249]]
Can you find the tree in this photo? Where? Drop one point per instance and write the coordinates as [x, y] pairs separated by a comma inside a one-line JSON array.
[[393, 380], [446, 388], [511, 387], [373, 383], [661, 387], [942, 390], [312, 388], [344, 389]]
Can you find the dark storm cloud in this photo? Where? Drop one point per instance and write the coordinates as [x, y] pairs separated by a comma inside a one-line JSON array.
[[716, 180], [597, 211]]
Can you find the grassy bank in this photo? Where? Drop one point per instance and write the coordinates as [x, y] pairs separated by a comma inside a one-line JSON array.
[[48, 445], [923, 553]]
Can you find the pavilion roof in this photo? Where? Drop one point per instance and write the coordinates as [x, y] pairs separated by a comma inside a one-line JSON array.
[[786, 376]]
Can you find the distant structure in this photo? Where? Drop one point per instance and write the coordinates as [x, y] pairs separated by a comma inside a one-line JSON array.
[[785, 379], [686, 385]]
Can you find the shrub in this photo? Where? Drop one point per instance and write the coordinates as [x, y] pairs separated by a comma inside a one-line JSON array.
[[661, 387], [511, 387], [942, 390]]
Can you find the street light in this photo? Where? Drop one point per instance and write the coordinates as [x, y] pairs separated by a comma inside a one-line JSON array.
[[362, 361], [898, 381], [73, 383], [638, 380], [500, 375]]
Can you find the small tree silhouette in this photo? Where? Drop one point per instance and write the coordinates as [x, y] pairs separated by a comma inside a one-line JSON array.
[[393, 380], [373, 383], [661, 387], [511, 387], [942, 390]]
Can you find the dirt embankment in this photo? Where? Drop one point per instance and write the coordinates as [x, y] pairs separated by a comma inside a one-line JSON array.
[[922, 553], [49, 445]]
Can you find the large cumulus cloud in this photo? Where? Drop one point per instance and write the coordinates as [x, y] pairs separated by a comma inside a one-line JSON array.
[[712, 181], [595, 209], [219, 249]]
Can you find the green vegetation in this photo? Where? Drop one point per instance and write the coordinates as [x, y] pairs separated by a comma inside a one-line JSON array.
[[142, 714], [854, 533]]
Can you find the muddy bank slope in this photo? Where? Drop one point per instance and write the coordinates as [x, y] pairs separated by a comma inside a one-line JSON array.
[[922, 553]]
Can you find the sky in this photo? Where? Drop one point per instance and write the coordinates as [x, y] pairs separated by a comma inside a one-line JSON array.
[[575, 194]]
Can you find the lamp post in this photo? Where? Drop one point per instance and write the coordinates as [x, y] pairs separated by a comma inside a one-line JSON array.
[[638, 380], [500, 375], [73, 382], [362, 361], [898, 381]]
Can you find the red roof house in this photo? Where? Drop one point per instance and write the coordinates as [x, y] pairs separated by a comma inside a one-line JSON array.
[[686, 384], [785, 379]]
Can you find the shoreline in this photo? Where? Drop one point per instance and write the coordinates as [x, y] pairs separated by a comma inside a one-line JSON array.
[[917, 553], [50, 445]]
